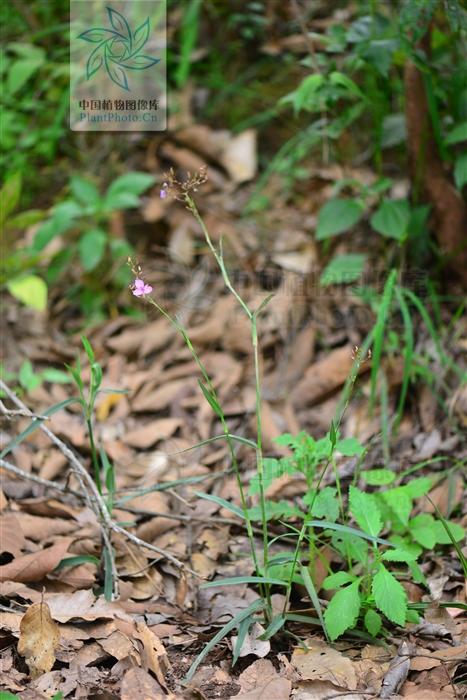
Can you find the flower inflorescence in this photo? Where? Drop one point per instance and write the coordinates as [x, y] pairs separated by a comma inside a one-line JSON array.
[[179, 189]]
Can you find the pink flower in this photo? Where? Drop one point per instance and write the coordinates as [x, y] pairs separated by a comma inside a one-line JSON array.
[[139, 288], [163, 194]]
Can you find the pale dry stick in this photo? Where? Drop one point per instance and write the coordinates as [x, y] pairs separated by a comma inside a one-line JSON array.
[[37, 479], [19, 413], [101, 507]]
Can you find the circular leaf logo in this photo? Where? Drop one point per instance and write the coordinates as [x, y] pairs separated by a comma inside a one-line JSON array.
[[118, 49]]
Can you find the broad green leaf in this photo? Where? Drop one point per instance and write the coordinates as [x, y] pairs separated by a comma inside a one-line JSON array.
[[28, 379], [390, 596], [134, 183], [342, 612], [364, 509], [423, 530], [378, 477], [9, 196], [350, 447], [373, 622], [85, 191], [418, 487], [20, 72], [458, 134], [343, 269], [29, 289], [337, 216], [56, 376], [392, 218], [442, 536], [460, 171], [91, 248], [337, 580]]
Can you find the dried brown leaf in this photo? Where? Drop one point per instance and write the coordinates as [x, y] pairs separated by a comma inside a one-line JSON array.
[[323, 663], [153, 654], [12, 537], [153, 432], [137, 684], [39, 638], [33, 567]]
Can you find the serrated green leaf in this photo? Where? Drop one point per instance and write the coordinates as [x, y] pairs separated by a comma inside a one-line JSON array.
[[392, 218], [364, 509], [337, 216], [402, 555], [325, 504], [399, 502], [31, 290], [390, 596], [342, 611], [337, 580], [373, 622], [378, 477], [350, 447]]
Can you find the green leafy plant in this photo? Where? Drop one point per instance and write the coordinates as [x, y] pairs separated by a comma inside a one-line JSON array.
[[79, 228]]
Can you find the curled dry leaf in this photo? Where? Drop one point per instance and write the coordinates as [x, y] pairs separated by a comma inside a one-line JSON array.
[[397, 672], [39, 638], [322, 663], [153, 654], [33, 567], [251, 643], [137, 683]]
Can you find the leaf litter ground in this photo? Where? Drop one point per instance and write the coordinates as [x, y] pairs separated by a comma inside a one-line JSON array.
[[57, 634]]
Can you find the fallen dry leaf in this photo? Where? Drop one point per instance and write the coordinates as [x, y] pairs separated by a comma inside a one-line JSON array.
[[251, 643], [322, 690], [153, 654], [322, 663], [325, 376], [83, 605], [152, 432], [274, 689], [397, 672], [39, 638], [33, 567], [137, 684], [239, 156], [12, 538]]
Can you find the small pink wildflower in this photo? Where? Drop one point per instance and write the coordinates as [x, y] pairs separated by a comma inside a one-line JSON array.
[[163, 194], [139, 288]]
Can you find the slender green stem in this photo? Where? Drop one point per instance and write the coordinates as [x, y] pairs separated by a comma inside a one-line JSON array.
[[259, 456], [225, 427], [252, 317], [95, 461]]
